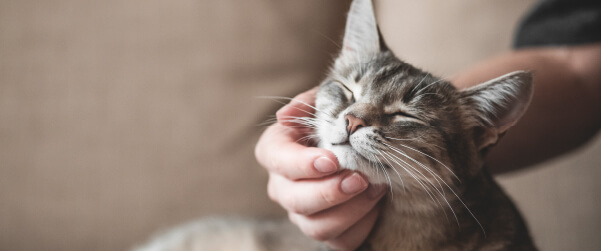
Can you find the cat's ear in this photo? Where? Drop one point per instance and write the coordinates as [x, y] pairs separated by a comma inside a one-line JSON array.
[[495, 106], [361, 35]]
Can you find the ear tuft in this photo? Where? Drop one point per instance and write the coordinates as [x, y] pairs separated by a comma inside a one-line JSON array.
[[498, 104], [361, 34]]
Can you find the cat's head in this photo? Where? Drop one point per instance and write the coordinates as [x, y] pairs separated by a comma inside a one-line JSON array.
[[398, 124]]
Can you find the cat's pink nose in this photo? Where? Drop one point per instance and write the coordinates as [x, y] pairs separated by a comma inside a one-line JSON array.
[[353, 123]]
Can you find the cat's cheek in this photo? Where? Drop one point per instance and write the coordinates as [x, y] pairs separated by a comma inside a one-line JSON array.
[[363, 141], [331, 132], [359, 142], [347, 157]]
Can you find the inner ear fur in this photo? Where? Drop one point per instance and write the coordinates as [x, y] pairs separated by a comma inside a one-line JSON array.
[[496, 105], [362, 37]]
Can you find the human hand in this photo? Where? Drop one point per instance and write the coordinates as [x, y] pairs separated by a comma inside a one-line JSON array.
[[329, 205]]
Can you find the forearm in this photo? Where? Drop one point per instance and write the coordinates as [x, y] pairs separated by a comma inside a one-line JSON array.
[[565, 111]]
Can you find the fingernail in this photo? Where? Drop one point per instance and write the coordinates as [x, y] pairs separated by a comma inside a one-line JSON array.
[[353, 183], [375, 191], [325, 165]]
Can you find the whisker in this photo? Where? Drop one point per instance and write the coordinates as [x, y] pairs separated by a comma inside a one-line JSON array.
[[303, 125], [389, 180], [309, 122], [432, 159], [327, 38], [423, 175], [299, 120], [274, 98], [403, 166], [389, 164], [425, 87], [439, 192], [429, 93], [420, 82], [401, 139], [416, 179], [309, 119], [268, 122], [436, 176], [308, 138], [416, 139], [458, 198], [280, 102]]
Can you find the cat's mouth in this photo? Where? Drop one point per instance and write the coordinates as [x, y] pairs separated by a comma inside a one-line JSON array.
[[349, 147]]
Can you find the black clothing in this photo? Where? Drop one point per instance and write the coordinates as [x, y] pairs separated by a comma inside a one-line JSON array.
[[560, 22]]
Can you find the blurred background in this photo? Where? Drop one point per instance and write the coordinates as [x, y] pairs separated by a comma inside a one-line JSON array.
[[119, 118]]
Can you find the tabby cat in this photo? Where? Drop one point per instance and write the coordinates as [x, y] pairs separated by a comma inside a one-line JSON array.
[[416, 133], [425, 139]]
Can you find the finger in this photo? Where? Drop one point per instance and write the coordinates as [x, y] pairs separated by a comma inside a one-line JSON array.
[[357, 234], [303, 105], [307, 197], [279, 152], [333, 222]]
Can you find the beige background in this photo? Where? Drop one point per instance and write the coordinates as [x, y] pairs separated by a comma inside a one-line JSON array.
[[119, 118]]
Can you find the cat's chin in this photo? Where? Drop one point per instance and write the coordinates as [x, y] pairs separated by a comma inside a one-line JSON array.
[[350, 159]]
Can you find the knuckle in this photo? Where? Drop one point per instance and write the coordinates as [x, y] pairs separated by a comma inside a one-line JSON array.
[[258, 152], [262, 149], [260, 146], [277, 167], [290, 202], [328, 197], [307, 166], [316, 233], [273, 165], [271, 191], [299, 210], [308, 228], [292, 217], [337, 244]]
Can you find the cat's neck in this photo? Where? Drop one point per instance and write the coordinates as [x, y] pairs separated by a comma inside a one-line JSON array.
[[420, 222]]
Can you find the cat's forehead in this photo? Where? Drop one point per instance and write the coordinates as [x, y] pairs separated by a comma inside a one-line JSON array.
[[356, 86], [385, 81]]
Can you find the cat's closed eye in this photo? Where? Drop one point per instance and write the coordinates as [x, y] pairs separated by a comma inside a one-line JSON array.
[[399, 116], [347, 91], [403, 114]]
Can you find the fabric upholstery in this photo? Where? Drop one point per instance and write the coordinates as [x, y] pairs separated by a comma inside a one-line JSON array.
[[121, 118]]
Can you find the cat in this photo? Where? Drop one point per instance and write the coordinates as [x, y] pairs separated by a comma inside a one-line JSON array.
[[424, 138], [406, 128]]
